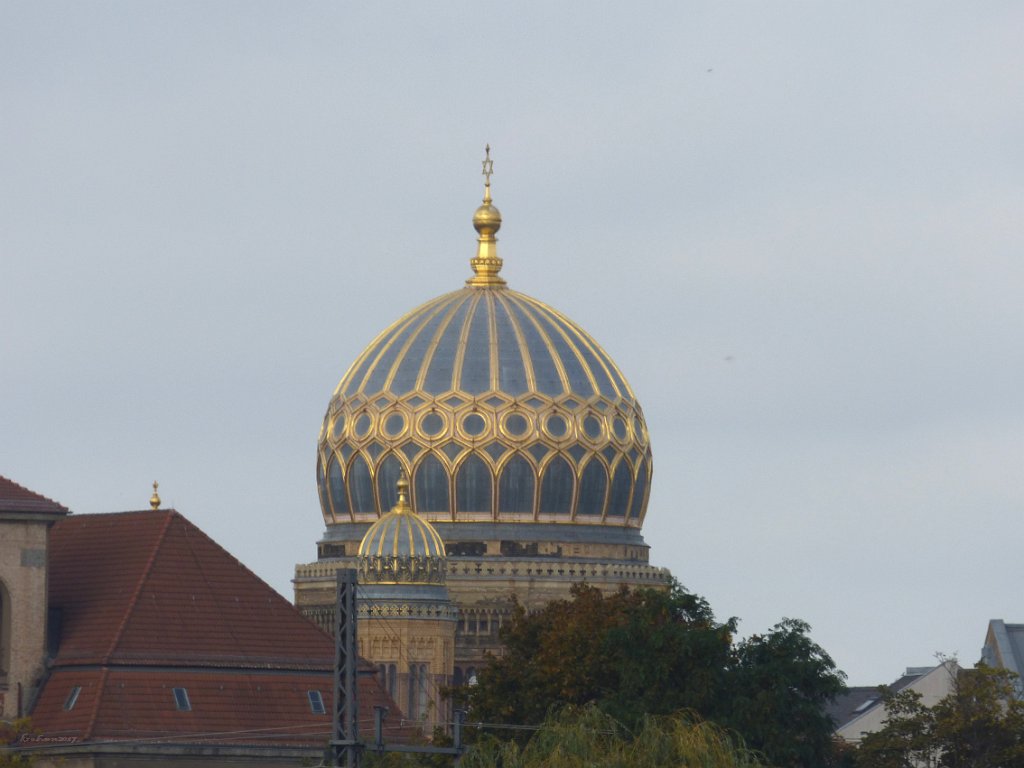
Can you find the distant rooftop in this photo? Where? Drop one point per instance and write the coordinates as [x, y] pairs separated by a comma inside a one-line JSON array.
[[16, 499]]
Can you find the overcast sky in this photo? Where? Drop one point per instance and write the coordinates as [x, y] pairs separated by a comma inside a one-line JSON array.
[[797, 227]]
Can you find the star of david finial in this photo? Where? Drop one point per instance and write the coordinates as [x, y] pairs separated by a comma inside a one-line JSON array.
[[488, 165]]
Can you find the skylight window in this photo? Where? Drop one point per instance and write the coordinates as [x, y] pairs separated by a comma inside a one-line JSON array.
[[316, 702], [866, 704], [72, 699], [181, 700]]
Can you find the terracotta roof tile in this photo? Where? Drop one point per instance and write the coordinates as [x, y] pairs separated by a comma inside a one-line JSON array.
[[259, 708], [150, 587], [17, 498], [150, 603]]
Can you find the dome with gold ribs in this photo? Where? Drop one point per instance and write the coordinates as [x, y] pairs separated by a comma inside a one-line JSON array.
[[401, 547], [498, 407]]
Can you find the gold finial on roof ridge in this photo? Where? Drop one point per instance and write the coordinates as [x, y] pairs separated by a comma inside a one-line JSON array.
[[487, 220], [154, 500]]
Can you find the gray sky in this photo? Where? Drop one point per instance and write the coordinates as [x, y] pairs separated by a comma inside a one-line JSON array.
[[796, 226]]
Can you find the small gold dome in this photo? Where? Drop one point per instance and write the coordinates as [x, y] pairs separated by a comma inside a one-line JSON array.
[[402, 547]]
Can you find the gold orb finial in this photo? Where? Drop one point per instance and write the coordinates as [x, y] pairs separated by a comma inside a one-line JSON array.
[[154, 500], [486, 221], [402, 505]]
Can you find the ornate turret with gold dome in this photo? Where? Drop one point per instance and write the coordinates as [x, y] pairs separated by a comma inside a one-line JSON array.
[[406, 619], [523, 443], [401, 547]]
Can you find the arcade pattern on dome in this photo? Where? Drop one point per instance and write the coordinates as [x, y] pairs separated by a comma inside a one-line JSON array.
[[497, 406]]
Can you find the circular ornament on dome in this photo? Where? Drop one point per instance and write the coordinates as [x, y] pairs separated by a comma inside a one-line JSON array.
[[362, 425], [639, 431], [619, 429], [394, 425], [339, 426], [556, 426], [516, 424], [432, 424], [592, 427], [474, 424]]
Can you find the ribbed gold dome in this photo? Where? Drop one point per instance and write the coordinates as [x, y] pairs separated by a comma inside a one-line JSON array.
[[401, 547], [497, 406]]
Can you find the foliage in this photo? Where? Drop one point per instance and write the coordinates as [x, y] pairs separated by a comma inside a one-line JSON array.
[[646, 652], [10, 734], [778, 686], [586, 737], [980, 724]]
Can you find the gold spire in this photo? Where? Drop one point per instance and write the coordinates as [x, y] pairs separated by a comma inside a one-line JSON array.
[[487, 220], [154, 500], [403, 494]]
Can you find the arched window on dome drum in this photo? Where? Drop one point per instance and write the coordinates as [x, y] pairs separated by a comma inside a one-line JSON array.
[[593, 489], [556, 487], [515, 486], [622, 484], [360, 486], [336, 485], [473, 486], [639, 489], [431, 487], [388, 472]]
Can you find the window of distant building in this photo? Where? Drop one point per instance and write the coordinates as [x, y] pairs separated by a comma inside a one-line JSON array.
[[5, 631], [181, 700], [316, 702], [72, 699]]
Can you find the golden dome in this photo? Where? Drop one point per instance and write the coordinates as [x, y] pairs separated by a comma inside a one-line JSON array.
[[402, 547], [500, 409]]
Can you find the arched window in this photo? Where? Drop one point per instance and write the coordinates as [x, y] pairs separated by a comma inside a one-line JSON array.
[[515, 486], [636, 507], [388, 473], [336, 489], [622, 484], [556, 487], [360, 486], [431, 491], [593, 489], [473, 486]]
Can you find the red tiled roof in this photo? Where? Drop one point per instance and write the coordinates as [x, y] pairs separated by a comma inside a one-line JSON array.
[[150, 603], [151, 588], [138, 705], [17, 498]]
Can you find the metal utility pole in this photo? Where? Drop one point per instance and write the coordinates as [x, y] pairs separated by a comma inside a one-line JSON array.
[[345, 739]]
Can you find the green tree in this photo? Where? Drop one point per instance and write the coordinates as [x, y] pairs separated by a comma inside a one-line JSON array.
[[635, 652], [980, 724], [586, 737], [777, 689], [646, 652]]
